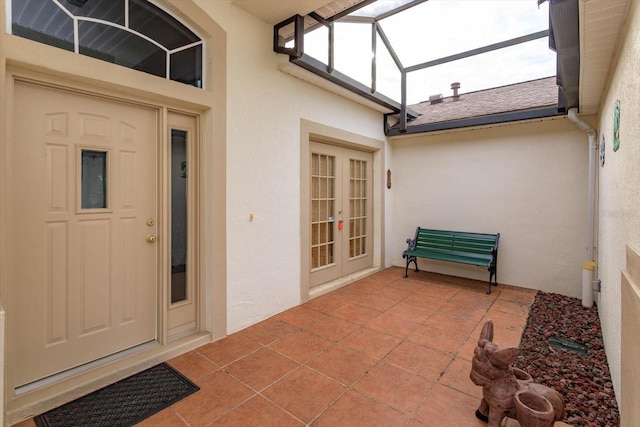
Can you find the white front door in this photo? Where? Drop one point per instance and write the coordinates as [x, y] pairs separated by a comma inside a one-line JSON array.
[[341, 212], [83, 200]]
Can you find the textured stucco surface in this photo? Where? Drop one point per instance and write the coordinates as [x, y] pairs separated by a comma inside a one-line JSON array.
[[264, 111], [619, 187], [527, 182]]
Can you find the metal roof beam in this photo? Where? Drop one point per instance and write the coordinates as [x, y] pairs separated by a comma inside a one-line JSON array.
[[484, 49]]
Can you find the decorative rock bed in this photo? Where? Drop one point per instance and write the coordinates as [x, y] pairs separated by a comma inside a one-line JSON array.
[[559, 330]]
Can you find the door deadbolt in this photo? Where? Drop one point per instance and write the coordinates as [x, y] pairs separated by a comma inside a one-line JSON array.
[[150, 222], [151, 238]]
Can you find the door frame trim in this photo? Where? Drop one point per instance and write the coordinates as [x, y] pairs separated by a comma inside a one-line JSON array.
[[317, 132]]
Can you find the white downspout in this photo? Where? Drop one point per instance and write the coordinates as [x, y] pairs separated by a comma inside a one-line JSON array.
[[589, 265]]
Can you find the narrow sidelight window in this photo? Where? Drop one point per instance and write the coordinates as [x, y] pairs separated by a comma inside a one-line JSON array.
[[179, 176]]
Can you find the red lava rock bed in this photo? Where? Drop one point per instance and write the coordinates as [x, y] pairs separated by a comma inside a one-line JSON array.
[[583, 380]]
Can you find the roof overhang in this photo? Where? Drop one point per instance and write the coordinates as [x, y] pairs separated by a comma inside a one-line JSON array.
[[564, 38], [274, 11]]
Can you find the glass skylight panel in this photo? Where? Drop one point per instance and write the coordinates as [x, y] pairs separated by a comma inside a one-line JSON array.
[[353, 51], [388, 77], [316, 40], [439, 28], [527, 61]]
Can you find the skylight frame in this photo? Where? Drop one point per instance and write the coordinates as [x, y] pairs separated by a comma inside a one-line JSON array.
[[351, 15]]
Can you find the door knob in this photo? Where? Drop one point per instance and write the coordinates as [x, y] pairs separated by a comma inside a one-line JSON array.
[[151, 238]]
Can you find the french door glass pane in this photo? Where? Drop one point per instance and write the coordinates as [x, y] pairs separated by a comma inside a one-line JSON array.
[[357, 207], [322, 210]]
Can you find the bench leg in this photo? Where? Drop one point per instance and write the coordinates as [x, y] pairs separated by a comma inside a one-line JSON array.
[[493, 280], [409, 260]]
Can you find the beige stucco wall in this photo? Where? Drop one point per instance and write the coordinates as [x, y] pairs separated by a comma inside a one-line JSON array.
[[265, 107], [619, 189], [525, 181]]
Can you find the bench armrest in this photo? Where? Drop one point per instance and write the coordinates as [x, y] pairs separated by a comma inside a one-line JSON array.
[[411, 243]]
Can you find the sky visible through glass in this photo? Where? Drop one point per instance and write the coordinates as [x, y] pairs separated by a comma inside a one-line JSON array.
[[440, 28]]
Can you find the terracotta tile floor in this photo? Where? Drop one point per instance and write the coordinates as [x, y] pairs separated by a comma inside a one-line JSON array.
[[383, 351]]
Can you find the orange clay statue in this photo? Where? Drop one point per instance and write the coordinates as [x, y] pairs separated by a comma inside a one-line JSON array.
[[510, 392]]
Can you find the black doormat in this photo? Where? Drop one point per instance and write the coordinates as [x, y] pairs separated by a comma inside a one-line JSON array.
[[124, 403]]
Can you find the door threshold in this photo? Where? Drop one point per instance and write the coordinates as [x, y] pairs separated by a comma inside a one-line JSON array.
[[338, 283], [26, 388]]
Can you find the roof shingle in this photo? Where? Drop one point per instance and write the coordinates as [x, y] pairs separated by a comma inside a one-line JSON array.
[[533, 94]]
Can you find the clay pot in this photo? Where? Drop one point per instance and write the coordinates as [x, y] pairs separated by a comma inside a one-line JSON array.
[[533, 409], [522, 376]]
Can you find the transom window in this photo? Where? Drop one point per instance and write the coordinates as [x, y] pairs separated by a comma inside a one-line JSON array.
[[132, 33]]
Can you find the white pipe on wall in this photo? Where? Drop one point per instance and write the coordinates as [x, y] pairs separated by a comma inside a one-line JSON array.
[[588, 267]]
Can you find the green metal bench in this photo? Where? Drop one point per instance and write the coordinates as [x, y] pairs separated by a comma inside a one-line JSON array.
[[454, 246]]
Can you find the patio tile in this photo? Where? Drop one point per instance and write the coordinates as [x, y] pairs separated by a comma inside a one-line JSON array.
[[445, 407], [393, 293], [437, 338], [193, 365], [426, 301], [511, 307], [457, 378], [268, 331], [299, 316], [411, 284], [301, 345], [467, 349], [439, 292], [228, 349], [370, 342], [342, 364], [393, 325], [465, 311], [462, 325], [395, 387], [505, 320], [218, 394], [332, 328], [261, 368], [328, 303], [356, 410], [257, 412], [519, 295], [473, 299], [458, 324], [356, 313], [165, 418], [411, 312], [418, 359], [383, 352], [304, 393], [377, 302]]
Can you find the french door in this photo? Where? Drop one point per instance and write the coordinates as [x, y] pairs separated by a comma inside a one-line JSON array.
[[341, 207]]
